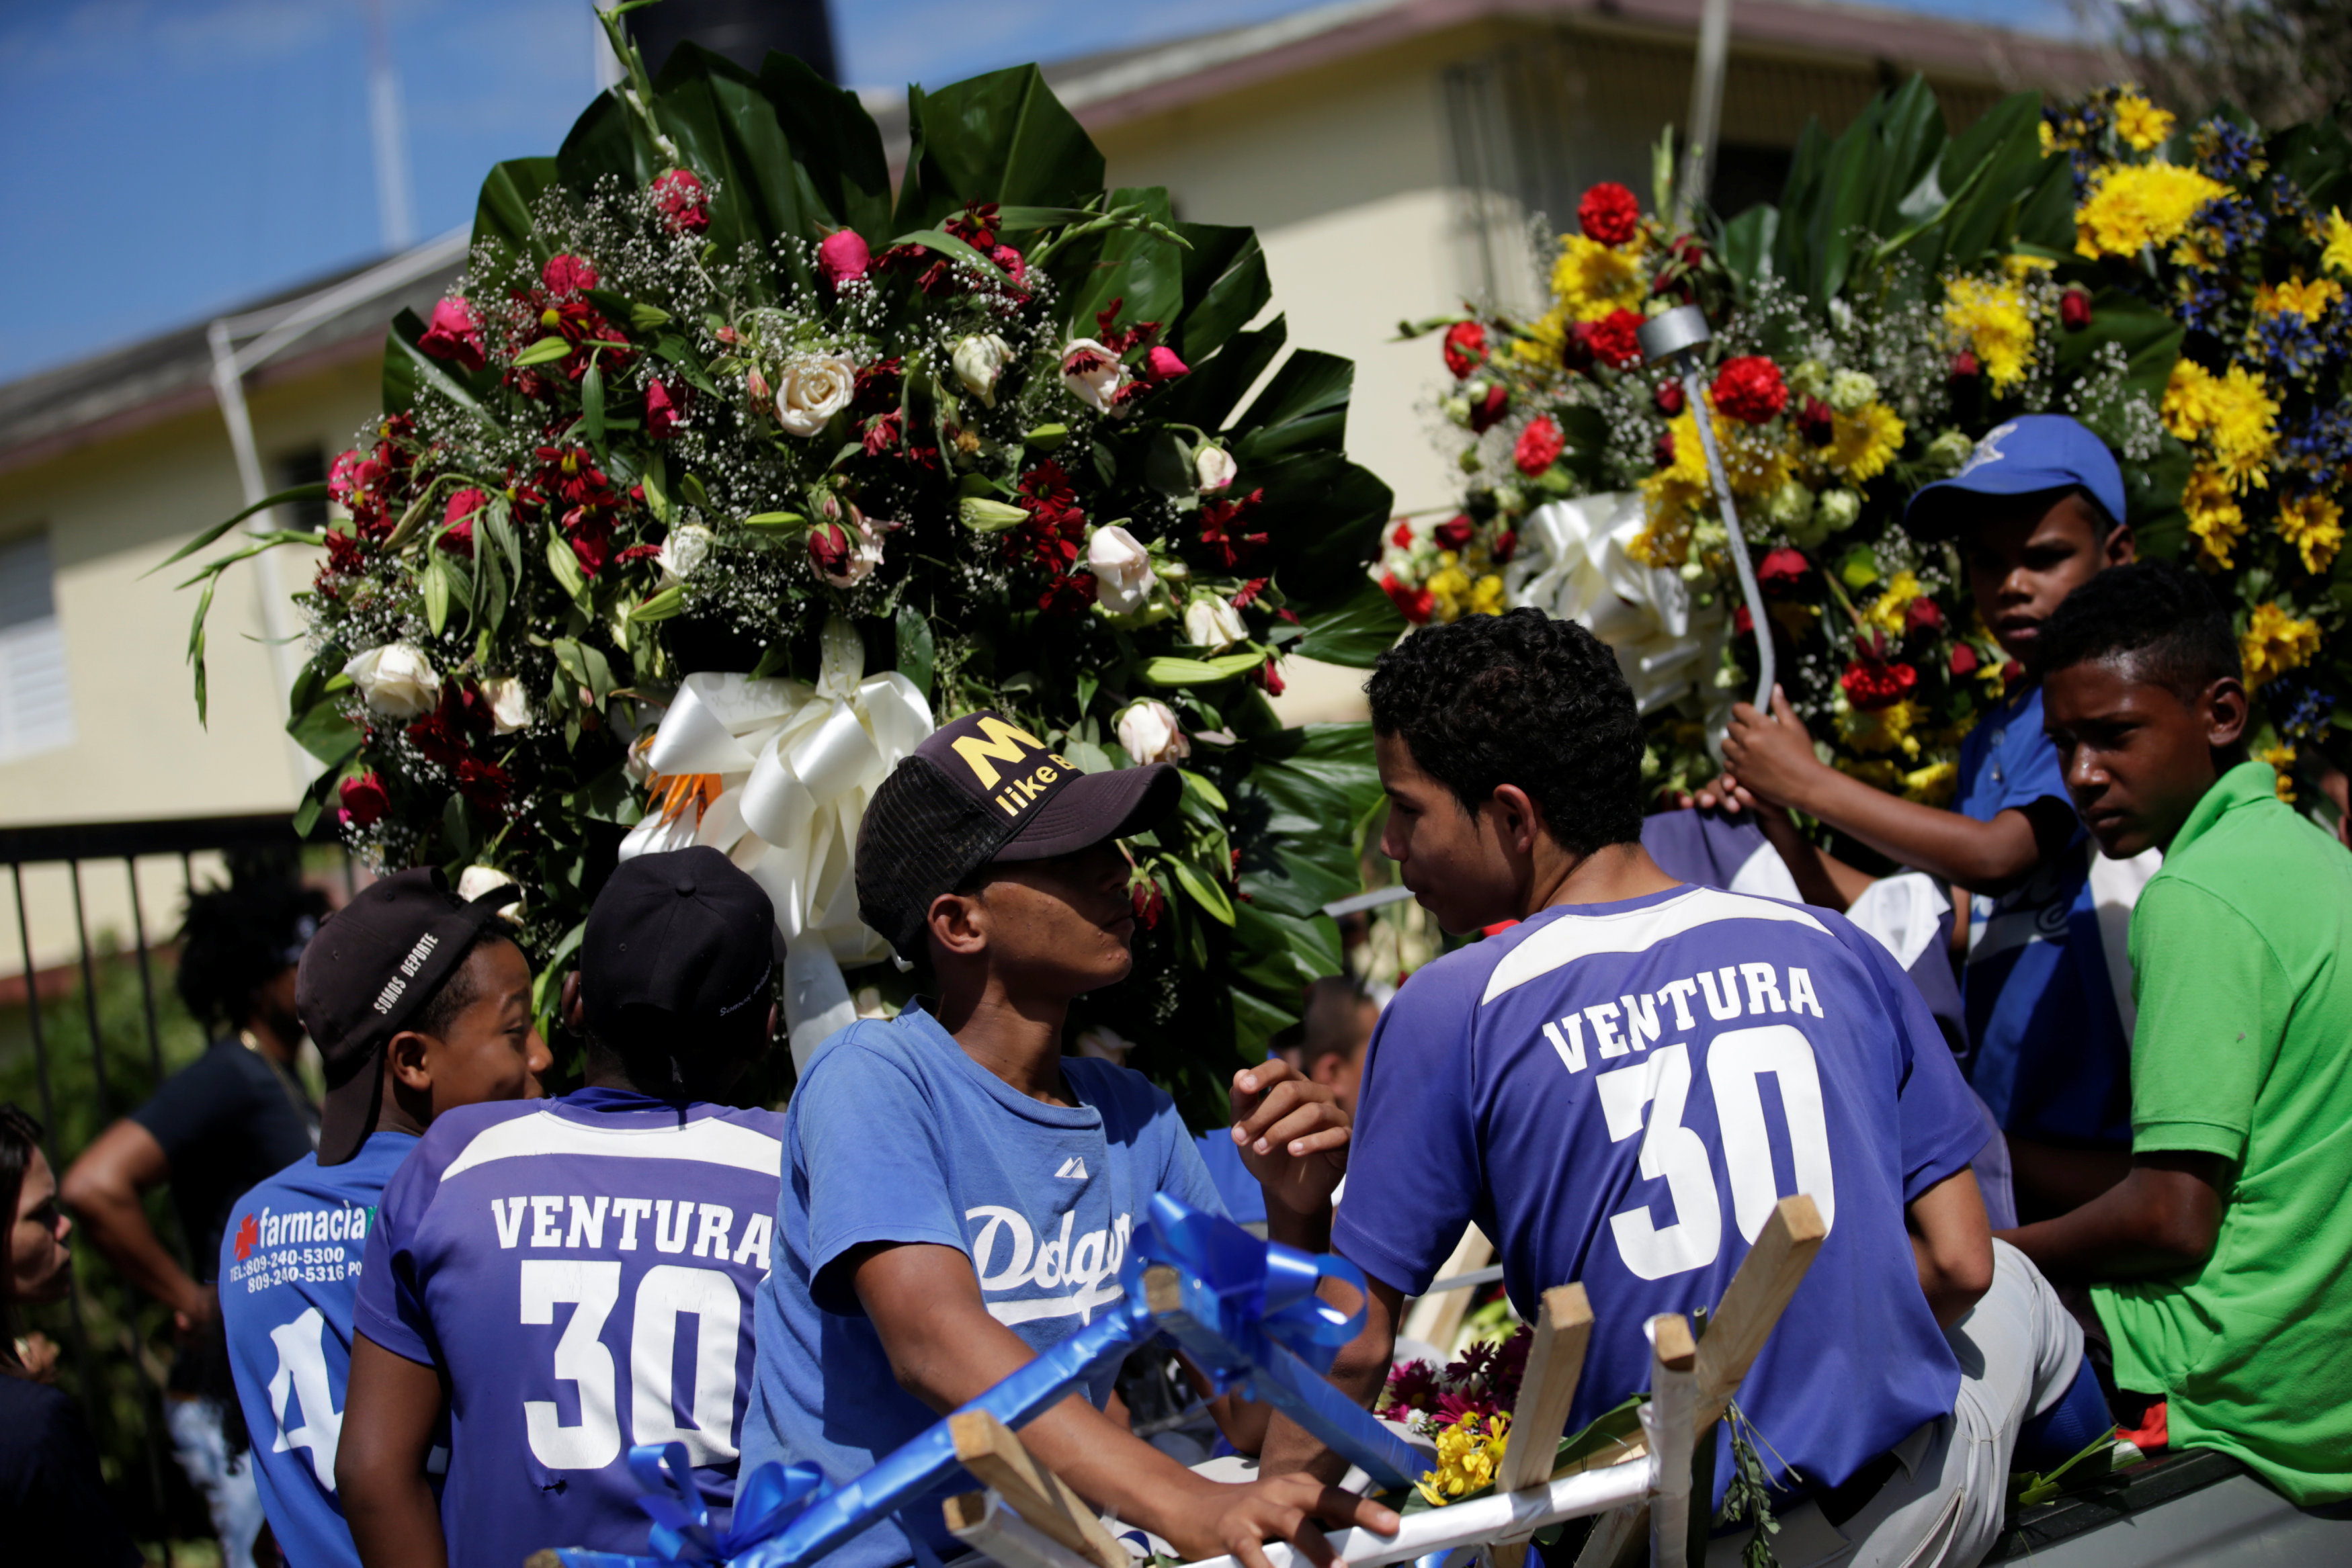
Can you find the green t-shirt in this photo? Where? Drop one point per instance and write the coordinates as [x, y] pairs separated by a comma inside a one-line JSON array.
[[2242, 946]]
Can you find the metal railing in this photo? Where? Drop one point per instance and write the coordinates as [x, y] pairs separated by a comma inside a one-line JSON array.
[[85, 850]]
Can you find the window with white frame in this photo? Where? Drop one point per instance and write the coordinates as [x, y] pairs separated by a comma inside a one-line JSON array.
[[36, 707]]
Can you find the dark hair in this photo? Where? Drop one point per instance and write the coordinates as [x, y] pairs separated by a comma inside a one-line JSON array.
[[458, 990], [1520, 699], [2166, 620], [20, 1136], [236, 939]]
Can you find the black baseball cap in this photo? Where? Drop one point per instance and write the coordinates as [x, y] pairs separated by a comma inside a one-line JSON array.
[[680, 946], [368, 973], [982, 789]]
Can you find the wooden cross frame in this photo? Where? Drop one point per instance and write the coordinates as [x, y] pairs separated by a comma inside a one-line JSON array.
[[1030, 1519]]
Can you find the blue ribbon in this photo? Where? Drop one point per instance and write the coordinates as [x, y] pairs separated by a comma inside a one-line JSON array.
[[766, 1501]]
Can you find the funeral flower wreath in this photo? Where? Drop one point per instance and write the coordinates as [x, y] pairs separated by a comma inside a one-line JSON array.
[[723, 474]]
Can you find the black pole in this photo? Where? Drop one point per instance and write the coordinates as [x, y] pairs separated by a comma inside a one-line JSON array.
[[742, 30]]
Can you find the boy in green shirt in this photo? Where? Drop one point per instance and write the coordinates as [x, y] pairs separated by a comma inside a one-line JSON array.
[[2218, 1264]]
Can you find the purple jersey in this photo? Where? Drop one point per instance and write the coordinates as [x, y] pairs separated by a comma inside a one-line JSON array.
[[583, 1269], [1620, 1094]]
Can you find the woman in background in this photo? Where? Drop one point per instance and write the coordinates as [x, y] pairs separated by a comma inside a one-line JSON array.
[[53, 1505]]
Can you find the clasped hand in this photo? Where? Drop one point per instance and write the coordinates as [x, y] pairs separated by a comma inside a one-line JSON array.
[[1293, 1136]]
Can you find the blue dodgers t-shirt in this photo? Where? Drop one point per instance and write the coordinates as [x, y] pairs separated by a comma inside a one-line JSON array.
[[2050, 1054], [289, 1274], [583, 1269], [1619, 1094], [894, 1135]]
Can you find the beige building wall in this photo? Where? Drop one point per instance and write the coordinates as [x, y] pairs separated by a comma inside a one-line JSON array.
[[113, 511]]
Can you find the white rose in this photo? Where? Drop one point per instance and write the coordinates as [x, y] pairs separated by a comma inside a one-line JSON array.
[[1215, 466], [1214, 624], [1849, 390], [477, 879], [683, 551], [396, 679], [1122, 570], [1093, 374], [1147, 731], [509, 706], [1839, 509], [979, 361], [812, 391]]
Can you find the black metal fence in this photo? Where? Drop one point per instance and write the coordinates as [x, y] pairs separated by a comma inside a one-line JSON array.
[[264, 845]]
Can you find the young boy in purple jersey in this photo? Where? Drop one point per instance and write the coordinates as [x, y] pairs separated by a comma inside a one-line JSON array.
[[959, 1194], [1620, 1088], [457, 1032], [577, 1273]]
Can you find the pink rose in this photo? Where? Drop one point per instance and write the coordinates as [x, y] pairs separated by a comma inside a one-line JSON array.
[[661, 411], [568, 274], [454, 333], [842, 255], [1162, 365], [679, 195]]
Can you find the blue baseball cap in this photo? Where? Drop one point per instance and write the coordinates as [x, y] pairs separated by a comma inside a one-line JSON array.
[[2032, 452]]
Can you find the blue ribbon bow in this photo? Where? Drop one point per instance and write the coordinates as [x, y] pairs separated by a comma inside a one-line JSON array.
[[766, 1502], [1264, 1290]]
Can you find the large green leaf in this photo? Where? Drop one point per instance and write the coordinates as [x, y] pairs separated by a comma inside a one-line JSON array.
[[1208, 397], [724, 125], [502, 216], [1226, 286], [1303, 408], [1356, 630], [1003, 138], [1322, 515], [1988, 166], [1143, 272], [836, 150]]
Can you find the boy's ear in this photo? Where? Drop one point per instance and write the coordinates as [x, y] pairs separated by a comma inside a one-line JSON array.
[[2121, 548], [1519, 820], [570, 1007], [959, 923], [2224, 709], [408, 1056]]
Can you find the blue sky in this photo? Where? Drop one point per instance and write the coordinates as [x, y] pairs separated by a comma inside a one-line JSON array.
[[179, 157]]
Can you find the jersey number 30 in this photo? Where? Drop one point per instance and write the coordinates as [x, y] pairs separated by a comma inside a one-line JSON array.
[[668, 1292], [1735, 1061]]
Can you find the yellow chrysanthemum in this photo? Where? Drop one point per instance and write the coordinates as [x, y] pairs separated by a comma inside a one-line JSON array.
[[2132, 206], [1448, 586], [2140, 122], [1546, 336], [2275, 642], [1589, 281], [2214, 517], [1886, 612], [1862, 443], [2309, 300], [2020, 266], [1469, 1451], [2048, 139], [1879, 729], [2236, 410], [1990, 319], [1932, 785], [2314, 525], [2282, 758], [2337, 256], [1486, 595]]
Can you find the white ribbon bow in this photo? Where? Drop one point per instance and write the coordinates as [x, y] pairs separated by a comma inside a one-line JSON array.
[[1574, 563], [796, 767]]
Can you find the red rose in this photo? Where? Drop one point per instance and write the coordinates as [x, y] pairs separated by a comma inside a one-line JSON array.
[[1540, 446], [661, 411], [1611, 339], [454, 333], [1670, 398], [842, 255], [1815, 422], [1490, 409], [1964, 660], [1465, 348], [1783, 569], [1162, 365], [1403, 537], [2075, 310], [1749, 389], [1454, 533], [1009, 261], [828, 547], [679, 195], [365, 800], [568, 274], [1269, 680], [1922, 616], [1661, 451], [457, 536], [1414, 601], [1870, 685], [1608, 214], [1148, 902], [1964, 366], [1504, 546]]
